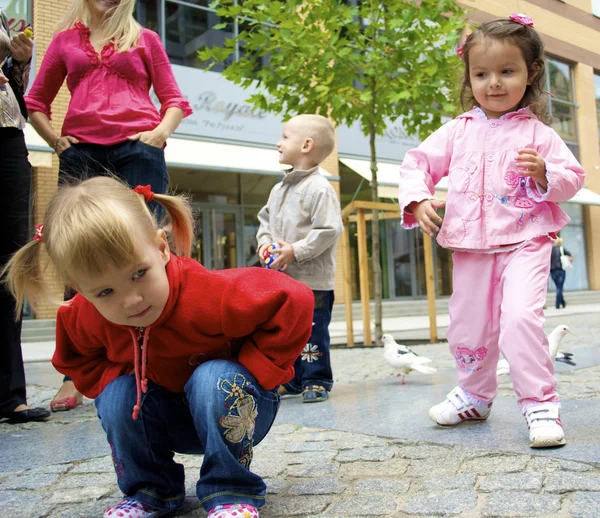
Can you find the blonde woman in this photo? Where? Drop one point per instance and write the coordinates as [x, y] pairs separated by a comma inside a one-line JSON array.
[[110, 63]]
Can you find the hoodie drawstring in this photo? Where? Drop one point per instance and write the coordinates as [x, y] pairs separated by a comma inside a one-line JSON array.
[[141, 381]]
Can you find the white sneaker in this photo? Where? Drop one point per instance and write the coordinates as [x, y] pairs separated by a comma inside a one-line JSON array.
[[545, 428], [457, 408]]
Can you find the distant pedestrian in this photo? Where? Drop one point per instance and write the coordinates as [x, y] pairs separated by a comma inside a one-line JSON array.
[[303, 217], [506, 172], [561, 261], [178, 358]]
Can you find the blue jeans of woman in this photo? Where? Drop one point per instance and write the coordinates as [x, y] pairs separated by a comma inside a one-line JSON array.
[[313, 366], [558, 276], [222, 413]]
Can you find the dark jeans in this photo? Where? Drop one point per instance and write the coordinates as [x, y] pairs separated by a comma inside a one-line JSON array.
[[313, 366], [133, 161], [558, 276], [222, 413], [14, 214]]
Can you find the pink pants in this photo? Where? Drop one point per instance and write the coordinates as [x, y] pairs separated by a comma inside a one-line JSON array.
[[497, 306]]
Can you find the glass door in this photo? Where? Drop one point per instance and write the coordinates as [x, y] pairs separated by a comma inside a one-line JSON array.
[[218, 236]]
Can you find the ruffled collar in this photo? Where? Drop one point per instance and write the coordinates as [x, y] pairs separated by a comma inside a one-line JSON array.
[[478, 113], [86, 45]]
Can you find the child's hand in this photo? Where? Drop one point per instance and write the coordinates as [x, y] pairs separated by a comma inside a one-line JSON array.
[[261, 254], [286, 256], [426, 215], [530, 163]]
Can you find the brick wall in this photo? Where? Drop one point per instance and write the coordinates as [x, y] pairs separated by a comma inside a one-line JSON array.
[[46, 15]]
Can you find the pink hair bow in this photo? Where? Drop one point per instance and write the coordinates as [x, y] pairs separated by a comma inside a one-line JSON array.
[[523, 19], [39, 233], [461, 47]]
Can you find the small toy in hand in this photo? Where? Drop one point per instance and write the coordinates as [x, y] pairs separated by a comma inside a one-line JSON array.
[[28, 32], [270, 255]]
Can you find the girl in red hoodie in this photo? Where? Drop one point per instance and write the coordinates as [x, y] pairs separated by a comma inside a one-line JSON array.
[[177, 358]]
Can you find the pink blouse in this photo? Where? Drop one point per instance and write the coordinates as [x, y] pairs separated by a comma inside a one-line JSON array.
[[110, 92]]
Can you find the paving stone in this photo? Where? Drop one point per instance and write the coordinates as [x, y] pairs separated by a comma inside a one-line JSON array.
[[284, 429], [53, 468], [10, 500], [308, 446], [363, 506], [441, 504], [83, 510], [365, 454], [382, 485], [528, 481], [310, 457], [269, 467], [566, 482], [83, 494], [190, 461], [303, 470], [544, 464], [275, 485], [298, 505], [351, 441], [97, 465], [428, 467], [496, 464], [322, 435], [461, 481], [585, 505], [425, 451], [521, 504], [317, 486], [386, 468], [29, 480], [86, 480]]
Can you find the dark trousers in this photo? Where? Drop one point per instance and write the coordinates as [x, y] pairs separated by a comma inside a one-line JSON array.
[[313, 366], [558, 276], [14, 215], [133, 161]]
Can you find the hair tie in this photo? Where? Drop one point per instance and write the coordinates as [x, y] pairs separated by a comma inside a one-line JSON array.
[[39, 233], [523, 19], [461, 48], [146, 191]]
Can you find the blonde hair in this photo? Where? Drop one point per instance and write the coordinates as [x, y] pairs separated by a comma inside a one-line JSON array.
[[88, 226], [320, 130], [118, 25]]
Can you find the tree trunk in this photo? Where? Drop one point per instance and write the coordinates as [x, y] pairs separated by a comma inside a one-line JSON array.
[[377, 288]]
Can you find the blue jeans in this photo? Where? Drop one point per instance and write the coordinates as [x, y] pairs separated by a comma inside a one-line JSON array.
[[222, 413], [133, 161], [313, 366], [558, 276]]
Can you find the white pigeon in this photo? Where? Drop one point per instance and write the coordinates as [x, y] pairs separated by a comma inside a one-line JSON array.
[[554, 339], [403, 358]]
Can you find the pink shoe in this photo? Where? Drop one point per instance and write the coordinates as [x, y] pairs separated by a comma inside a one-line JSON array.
[[233, 511], [132, 508]]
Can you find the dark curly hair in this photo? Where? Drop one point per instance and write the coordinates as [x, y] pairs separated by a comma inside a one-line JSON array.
[[532, 49]]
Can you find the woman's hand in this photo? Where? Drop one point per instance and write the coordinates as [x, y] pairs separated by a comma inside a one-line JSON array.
[[3, 78], [63, 143], [21, 47], [425, 212], [154, 138]]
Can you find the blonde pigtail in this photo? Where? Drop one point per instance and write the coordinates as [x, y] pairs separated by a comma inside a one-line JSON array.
[[24, 277], [180, 213]]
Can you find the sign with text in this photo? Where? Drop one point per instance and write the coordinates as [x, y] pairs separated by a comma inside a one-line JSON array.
[[221, 113], [17, 12]]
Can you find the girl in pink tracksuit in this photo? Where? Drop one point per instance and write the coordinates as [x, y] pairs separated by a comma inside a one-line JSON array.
[[506, 170]]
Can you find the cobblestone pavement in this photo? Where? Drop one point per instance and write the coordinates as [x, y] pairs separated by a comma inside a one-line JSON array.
[[321, 472]]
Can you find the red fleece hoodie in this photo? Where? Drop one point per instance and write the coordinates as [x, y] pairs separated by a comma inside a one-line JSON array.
[[259, 318]]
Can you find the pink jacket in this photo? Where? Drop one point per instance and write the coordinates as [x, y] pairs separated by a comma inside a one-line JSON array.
[[489, 203]]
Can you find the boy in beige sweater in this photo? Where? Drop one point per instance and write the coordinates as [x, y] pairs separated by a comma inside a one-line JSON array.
[[303, 217]]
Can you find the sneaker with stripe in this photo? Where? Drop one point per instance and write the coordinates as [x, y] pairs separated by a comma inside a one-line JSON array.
[[458, 407], [545, 426]]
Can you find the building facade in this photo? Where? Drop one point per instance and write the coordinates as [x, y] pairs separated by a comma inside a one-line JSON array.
[[224, 154]]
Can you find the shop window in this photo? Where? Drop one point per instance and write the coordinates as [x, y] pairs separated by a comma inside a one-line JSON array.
[[596, 8], [562, 105]]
